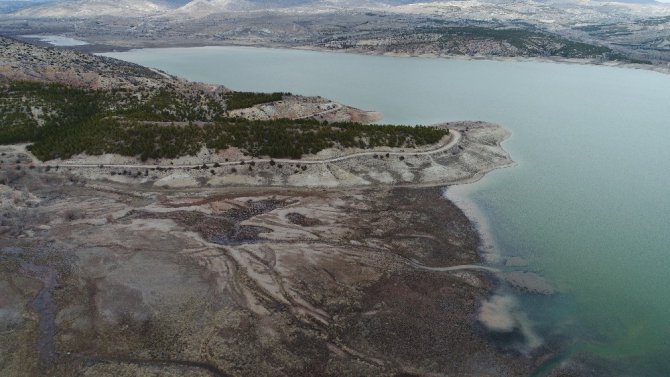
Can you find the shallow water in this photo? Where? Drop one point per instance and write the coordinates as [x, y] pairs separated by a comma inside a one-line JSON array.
[[587, 204], [57, 40]]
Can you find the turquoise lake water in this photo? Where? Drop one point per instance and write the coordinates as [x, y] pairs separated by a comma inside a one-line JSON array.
[[588, 203]]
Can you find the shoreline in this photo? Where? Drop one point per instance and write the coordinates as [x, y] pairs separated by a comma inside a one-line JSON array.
[[98, 49], [459, 195]]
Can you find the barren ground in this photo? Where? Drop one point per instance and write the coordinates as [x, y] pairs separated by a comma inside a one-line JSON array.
[[113, 280]]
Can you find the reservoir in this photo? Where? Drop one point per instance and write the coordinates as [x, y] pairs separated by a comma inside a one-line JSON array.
[[587, 204]]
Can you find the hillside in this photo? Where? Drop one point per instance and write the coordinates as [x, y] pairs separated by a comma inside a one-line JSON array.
[[23, 61], [628, 32], [92, 8], [486, 40]]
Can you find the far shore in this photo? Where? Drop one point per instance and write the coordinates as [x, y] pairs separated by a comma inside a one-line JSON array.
[[100, 48]]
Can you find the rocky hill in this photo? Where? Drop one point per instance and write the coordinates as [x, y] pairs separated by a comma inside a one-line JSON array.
[[23, 61]]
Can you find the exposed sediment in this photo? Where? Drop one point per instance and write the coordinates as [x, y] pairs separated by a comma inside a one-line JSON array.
[[250, 281]]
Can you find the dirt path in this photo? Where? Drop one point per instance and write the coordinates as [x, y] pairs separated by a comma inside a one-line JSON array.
[[336, 108], [454, 139]]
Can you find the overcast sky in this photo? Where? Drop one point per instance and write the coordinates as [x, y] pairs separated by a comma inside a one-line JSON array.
[[662, 1]]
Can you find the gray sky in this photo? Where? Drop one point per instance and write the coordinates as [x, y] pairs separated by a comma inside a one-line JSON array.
[[662, 1]]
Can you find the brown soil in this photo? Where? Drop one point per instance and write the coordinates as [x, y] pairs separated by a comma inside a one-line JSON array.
[[242, 282]]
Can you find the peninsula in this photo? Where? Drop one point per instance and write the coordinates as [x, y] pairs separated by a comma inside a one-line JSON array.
[[151, 226]]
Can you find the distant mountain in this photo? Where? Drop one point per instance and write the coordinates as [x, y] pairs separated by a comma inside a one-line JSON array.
[[275, 4], [172, 3], [197, 8], [204, 7], [628, 1], [635, 1], [85, 8], [9, 6], [89, 8]]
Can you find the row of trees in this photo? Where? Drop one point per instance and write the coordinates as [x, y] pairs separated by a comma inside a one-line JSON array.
[[276, 138], [169, 106]]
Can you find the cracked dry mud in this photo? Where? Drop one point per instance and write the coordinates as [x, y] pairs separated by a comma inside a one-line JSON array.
[[238, 282]]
